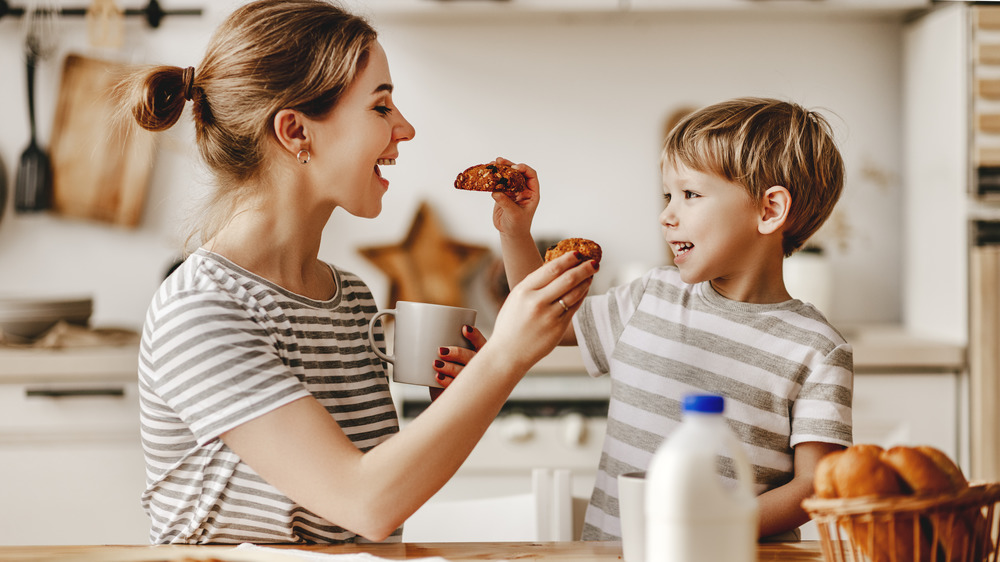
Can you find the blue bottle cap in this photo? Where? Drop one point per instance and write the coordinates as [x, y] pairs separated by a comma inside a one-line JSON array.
[[705, 403]]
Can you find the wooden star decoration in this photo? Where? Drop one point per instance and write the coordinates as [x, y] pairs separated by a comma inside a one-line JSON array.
[[426, 266]]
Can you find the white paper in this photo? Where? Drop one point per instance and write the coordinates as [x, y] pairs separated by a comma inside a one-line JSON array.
[[292, 554]]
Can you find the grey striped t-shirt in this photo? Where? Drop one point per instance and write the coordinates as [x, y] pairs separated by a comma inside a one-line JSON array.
[[786, 374], [221, 346]]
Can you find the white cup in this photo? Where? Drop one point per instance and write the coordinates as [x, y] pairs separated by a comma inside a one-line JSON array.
[[419, 330], [631, 510]]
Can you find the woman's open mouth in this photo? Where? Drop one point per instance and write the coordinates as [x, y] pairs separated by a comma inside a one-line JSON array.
[[383, 162]]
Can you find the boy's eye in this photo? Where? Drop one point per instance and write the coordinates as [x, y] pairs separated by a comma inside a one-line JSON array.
[[666, 197], [690, 195], [384, 110]]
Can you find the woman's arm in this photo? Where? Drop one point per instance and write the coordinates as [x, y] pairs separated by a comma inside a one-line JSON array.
[[302, 451], [781, 508]]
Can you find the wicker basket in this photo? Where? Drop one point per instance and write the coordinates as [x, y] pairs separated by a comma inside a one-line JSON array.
[[958, 527]]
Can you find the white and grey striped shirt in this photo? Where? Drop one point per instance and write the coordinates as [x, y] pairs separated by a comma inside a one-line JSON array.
[[786, 374], [221, 346]]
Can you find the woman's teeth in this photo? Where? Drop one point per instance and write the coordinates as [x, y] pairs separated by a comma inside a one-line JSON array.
[[386, 162]]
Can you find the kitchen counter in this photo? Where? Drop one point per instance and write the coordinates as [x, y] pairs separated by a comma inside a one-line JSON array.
[[876, 348], [806, 551]]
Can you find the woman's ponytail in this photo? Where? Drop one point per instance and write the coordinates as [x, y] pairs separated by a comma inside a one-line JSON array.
[[156, 96]]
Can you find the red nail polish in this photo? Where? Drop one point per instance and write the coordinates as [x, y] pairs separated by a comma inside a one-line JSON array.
[[468, 329], [439, 377], [442, 351], [596, 265], [439, 364]]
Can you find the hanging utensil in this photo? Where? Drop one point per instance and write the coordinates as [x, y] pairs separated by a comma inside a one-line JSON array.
[[105, 24], [3, 189], [33, 187]]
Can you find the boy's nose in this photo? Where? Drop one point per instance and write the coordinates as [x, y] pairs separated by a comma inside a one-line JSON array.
[[667, 217]]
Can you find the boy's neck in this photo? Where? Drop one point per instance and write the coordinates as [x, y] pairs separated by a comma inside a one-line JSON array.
[[761, 285]]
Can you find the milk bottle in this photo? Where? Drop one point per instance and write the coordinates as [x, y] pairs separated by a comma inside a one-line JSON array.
[[692, 513]]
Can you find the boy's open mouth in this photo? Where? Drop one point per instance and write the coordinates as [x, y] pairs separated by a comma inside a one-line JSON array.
[[681, 248]]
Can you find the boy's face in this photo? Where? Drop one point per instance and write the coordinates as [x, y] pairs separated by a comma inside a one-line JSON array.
[[709, 222]]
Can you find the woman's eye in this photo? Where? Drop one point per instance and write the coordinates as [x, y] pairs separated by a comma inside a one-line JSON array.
[[384, 110]]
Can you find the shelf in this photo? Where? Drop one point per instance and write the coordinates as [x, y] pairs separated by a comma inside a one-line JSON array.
[[496, 7]]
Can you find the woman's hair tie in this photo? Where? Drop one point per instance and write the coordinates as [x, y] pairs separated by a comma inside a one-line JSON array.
[[187, 81]]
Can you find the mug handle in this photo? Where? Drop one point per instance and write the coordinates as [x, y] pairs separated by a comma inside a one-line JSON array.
[[371, 334]]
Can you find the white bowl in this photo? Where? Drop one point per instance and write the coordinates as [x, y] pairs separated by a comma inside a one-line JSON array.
[[28, 317]]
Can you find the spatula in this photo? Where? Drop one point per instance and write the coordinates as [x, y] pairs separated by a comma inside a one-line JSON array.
[[33, 187]]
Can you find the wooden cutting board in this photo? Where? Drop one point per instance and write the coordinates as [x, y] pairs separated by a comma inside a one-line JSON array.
[[101, 163]]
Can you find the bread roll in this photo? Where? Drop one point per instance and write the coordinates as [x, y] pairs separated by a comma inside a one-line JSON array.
[[823, 482], [949, 467], [920, 474], [491, 177], [861, 472]]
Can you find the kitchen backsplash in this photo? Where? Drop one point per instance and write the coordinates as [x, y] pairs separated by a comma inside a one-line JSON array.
[[584, 99]]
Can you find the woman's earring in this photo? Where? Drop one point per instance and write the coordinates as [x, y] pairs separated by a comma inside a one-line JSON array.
[[303, 156]]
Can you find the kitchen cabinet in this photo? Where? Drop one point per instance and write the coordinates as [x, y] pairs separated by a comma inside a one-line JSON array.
[[71, 465], [951, 158]]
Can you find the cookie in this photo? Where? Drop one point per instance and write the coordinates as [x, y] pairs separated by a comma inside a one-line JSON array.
[[491, 177], [588, 248]]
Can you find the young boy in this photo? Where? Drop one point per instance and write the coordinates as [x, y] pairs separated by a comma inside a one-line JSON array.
[[746, 183]]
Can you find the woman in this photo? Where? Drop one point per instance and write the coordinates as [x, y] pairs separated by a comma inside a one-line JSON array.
[[266, 417]]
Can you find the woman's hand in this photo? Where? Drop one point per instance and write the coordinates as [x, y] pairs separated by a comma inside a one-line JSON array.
[[539, 309], [453, 359], [513, 212]]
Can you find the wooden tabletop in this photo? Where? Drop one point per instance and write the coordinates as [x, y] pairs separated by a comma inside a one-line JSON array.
[[806, 551]]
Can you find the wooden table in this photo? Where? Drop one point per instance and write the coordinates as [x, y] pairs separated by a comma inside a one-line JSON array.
[[806, 551]]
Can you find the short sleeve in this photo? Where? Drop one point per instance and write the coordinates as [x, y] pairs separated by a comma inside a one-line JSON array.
[[600, 321], [216, 365], [822, 411]]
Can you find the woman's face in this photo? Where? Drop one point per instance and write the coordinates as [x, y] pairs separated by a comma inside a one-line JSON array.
[[359, 136]]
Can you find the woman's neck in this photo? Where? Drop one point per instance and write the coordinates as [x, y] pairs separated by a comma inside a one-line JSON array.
[[282, 250]]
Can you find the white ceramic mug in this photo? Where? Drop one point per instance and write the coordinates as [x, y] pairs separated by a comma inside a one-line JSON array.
[[632, 511], [419, 329]]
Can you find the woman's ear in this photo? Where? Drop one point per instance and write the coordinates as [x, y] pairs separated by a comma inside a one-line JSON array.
[[775, 205], [290, 130]]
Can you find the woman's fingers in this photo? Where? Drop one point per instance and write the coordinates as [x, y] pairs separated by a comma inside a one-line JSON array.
[[559, 276], [571, 300], [452, 359]]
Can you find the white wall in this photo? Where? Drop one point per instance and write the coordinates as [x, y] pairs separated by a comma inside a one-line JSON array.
[[583, 99]]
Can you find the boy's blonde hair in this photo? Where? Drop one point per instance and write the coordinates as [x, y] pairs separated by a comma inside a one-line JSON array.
[[760, 143]]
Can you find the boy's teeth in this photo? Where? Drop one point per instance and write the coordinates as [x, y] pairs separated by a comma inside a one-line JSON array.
[[682, 247], [386, 162]]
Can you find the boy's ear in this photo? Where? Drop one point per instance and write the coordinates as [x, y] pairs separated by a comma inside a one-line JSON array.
[[775, 205], [291, 131]]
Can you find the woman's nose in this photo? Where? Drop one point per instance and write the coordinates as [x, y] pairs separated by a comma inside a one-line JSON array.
[[404, 131]]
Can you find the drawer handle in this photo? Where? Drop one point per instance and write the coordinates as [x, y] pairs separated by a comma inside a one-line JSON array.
[[73, 392]]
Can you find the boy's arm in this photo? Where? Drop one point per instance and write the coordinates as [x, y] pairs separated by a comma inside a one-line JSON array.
[[781, 508], [512, 216]]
